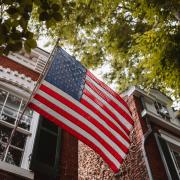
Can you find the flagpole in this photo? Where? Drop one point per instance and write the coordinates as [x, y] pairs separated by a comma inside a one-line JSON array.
[[29, 99]]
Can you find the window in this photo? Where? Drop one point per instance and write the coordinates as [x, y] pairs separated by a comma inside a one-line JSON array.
[[11, 107], [46, 152], [162, 110], [170, 157], [176, 157]]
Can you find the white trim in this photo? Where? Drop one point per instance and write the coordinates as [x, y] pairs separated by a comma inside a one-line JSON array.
[[170, 138], [173, 143], [160, 121], [134, 90], [30, 141], [13, 89], [19, 129], [16, 170]]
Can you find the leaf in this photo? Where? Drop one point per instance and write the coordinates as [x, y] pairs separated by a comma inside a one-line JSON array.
[[55, 7], [57, 16], [28, 34], [27, 47], [44, 16], [12, 10], [16, 35], [31, 43], [14, 46]]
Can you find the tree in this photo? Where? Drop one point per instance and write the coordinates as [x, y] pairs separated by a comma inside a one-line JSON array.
[[139, 39]]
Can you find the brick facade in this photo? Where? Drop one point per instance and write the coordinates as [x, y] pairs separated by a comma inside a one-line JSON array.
[[143, 144], [134, 165], [68, 157], [91, 166]]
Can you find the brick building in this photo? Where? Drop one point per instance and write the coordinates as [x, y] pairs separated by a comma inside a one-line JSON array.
[[42, 151], [155, 148], [39, 150]]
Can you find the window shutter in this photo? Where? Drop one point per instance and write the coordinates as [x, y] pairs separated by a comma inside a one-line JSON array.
[[167, 158], [46, 152]]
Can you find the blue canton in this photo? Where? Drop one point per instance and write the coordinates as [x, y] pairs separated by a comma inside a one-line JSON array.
[[67, 74]]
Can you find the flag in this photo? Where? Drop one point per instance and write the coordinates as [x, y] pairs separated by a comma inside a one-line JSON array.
[[73, 98]]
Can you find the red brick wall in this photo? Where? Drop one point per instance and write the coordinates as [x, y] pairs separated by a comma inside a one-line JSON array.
[[154, 156], [135, 160], [7, 63], [134, 165], [69, 157], [91, 165]]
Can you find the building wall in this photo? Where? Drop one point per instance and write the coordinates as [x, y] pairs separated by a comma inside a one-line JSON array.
[[68, 157], [69, 145], [91, 166], [7, 63], [154, 157], [144, 127], [134, 165]]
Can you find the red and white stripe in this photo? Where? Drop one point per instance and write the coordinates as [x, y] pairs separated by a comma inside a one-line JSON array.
[[100, 119]]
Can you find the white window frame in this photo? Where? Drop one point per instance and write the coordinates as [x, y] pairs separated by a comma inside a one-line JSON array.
[[172, 141], [29, 141]]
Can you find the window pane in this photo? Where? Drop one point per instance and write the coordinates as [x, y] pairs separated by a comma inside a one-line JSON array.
[[3, 95], [27, 117], [25, 122], [28, 112], [13, 102], [2, 147], [14, 156], [49, 125], [4, 133], [19, 140], [11, 108], [177, 159], [47, 148], [8, 115]]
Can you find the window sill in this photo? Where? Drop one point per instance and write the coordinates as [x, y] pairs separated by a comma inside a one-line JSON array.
[[16, 170]]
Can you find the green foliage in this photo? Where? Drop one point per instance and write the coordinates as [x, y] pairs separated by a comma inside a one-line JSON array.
[[15, 28], [139, 39]]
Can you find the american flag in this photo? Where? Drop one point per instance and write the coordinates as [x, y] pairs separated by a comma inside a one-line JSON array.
[[73, 98]]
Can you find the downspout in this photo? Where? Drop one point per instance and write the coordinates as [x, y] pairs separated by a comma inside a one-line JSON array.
[[146, 135]]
